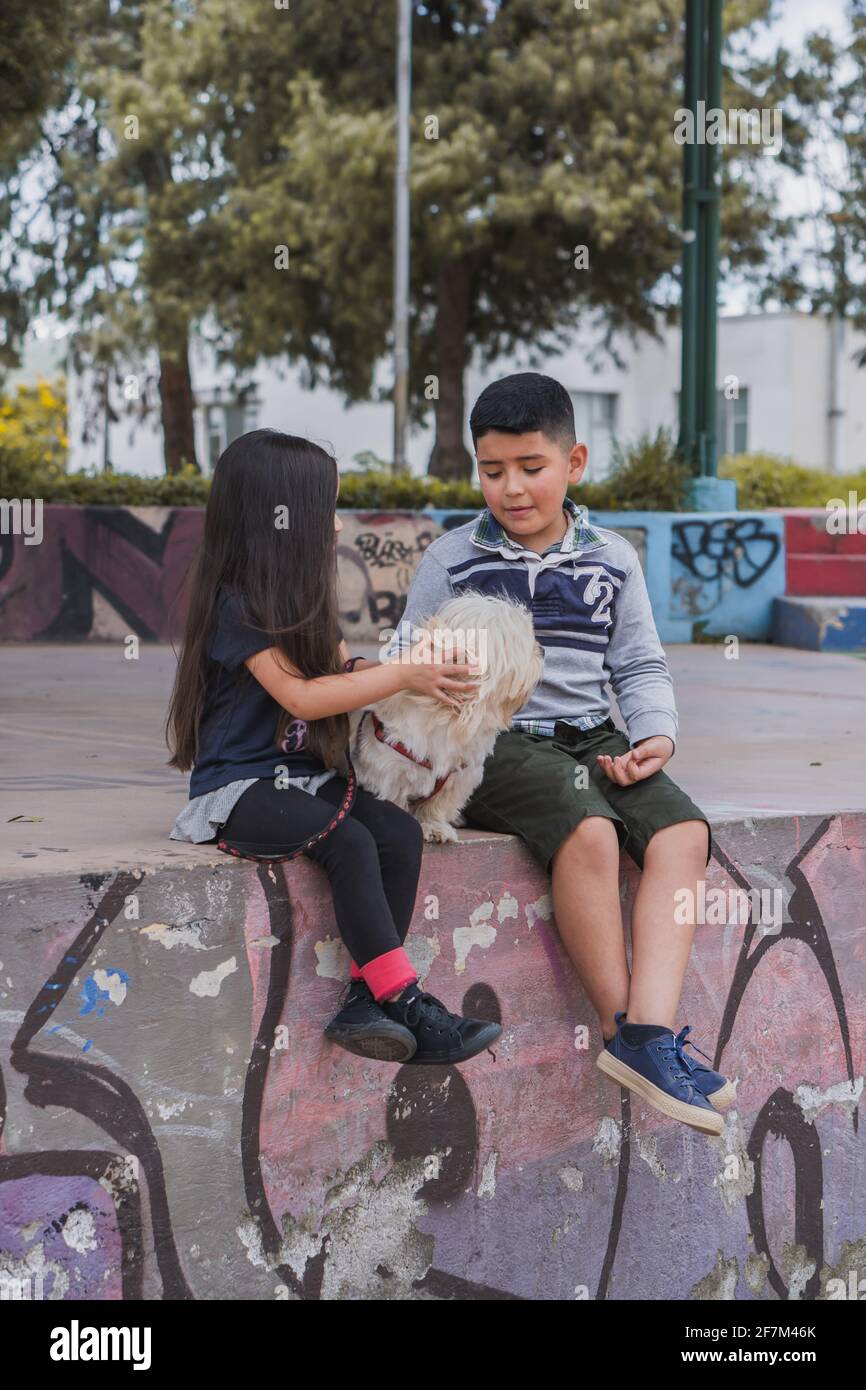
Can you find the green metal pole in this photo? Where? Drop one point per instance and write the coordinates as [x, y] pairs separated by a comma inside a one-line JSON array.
[[401, 235], [690, 301], [709, 241], [700, 198]]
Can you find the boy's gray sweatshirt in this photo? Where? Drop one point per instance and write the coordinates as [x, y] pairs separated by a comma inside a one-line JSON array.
[[591, 613]]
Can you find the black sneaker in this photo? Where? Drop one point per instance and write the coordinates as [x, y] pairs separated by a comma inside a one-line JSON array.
[[362, 1027], [443, 1038]]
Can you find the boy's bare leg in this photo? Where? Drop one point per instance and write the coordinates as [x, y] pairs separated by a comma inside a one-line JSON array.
[[675, 858], [585, 893]]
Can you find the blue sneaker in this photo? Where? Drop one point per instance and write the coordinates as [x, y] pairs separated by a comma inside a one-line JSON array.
[[654, 1070], [719, 1091]]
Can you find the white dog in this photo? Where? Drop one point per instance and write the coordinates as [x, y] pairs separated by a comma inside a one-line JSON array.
[[428, 757]]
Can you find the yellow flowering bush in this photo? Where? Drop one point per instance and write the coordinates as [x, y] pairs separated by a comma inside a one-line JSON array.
[[34, 445]]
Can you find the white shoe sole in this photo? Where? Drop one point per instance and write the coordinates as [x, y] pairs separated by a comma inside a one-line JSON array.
[[693, 1115], [725, 1096]]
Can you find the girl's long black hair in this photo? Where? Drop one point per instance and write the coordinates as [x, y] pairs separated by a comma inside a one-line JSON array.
[[269, 533]]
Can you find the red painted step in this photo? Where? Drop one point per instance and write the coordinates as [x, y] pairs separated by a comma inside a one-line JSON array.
[[819, 563]]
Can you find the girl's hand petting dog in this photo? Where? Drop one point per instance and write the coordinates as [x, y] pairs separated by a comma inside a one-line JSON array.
[[647, 757], [439, 678]]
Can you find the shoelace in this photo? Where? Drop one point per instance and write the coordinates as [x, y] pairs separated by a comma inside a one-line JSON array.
[[671, 1052], [681, 1040], [429, 1004], [347, 991]]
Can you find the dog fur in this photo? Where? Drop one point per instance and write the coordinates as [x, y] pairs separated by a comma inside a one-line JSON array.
[[454, 742]]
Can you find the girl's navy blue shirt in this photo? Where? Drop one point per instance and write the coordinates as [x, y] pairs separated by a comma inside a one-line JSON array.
[[239, 721]]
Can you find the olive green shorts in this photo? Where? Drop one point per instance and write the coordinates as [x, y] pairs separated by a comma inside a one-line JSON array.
[[531, 788]]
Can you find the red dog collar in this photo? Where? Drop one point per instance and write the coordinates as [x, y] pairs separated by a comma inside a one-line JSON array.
[[379, 730]]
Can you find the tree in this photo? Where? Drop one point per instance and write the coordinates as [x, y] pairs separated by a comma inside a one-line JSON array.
[[545, 184], [820, 264], [34, 48], [114, 245]]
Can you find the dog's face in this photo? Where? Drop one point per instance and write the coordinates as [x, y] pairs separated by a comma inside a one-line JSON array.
[[499, 635]]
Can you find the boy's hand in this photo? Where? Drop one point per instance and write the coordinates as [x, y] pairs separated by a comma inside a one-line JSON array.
[[647, 757]]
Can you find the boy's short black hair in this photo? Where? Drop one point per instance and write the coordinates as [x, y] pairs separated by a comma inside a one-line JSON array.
[[523, 403]]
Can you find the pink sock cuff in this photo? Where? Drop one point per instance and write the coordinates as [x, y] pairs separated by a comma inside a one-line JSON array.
[[388, 973], [355, 973]]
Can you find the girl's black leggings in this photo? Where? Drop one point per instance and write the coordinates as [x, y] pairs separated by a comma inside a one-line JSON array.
[[372, 858]]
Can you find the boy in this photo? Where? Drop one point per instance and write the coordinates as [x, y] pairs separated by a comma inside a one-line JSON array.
[[563, 777]]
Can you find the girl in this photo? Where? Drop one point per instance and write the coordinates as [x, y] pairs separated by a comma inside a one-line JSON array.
[[258, 712]]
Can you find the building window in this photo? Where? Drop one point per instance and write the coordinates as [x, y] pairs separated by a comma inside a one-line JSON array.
[[595, 425], [732, 422], [226, 420]]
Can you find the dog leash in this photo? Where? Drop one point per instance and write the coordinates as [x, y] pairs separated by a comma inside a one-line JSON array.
[[345, 808]]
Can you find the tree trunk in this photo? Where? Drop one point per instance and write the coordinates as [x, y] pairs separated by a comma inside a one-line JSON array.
[[176, 407], [450, 457]]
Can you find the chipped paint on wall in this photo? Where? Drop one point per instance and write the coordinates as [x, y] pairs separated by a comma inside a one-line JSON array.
[[487, 1185], [506, 907], [541, 909], [479, 933], [200, 1153], [812, 1100], [207, 983], [333, 961]]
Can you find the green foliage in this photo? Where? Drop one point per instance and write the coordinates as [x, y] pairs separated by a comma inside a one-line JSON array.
[[382, 490], [34, 48], [186, 488], [34, 43], [537, 129], [765, 480], [258, 129], [647, 476], [819, 261], [125, 186]]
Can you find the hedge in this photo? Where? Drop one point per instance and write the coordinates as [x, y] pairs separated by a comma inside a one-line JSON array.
[[647, 477], [763, 480]]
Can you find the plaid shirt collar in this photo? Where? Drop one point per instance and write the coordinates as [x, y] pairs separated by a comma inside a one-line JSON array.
[[580, 535]]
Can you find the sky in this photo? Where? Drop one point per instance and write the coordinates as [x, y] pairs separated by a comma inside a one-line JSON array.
[[796, 18]]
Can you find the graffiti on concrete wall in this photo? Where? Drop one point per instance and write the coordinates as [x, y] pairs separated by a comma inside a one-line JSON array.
[[712, 558], [100, 572], [377, 554], [176, 1126], [107, 572]]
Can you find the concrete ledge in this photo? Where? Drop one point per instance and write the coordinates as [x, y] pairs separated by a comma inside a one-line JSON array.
[[820, 624], [176, 1125]]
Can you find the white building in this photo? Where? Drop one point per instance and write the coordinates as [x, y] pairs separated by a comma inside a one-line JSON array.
[[782, 389]]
